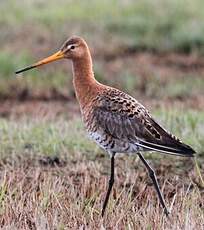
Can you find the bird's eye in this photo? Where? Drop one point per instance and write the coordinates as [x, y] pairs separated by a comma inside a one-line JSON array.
[[72, 47]]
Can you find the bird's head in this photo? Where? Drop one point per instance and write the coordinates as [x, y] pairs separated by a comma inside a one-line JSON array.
[[73, 48]]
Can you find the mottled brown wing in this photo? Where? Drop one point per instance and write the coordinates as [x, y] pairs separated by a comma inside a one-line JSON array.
[[125, 119]]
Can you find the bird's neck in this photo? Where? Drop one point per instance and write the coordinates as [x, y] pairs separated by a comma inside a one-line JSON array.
[[85, 84]]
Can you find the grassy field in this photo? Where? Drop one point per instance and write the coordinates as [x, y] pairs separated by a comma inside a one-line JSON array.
[[51, 175], [54, 179]]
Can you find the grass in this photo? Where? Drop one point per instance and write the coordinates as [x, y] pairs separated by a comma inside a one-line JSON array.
[[58, 77], [162, 25], [69, 197], [156, 86], [159, 25], [32, 82], [54, 178], [27, 136]]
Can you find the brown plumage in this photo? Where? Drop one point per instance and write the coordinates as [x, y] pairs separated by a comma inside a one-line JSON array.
[[128, 126], [114, 120]]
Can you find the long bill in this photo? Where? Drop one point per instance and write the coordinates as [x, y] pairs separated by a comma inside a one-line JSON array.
[[58, 55]]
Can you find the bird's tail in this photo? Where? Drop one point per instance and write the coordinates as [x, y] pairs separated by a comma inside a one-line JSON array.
[[177, 148]]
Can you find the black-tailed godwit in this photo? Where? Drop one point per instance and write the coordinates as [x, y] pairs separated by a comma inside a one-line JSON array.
[[117, 122]]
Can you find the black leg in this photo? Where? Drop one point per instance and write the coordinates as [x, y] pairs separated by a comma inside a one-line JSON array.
[[110, 184], [155, 182]]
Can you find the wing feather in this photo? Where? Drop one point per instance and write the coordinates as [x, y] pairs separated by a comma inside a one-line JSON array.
[[121, 116]]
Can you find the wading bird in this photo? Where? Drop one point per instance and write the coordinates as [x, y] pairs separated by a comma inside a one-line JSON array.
[[117, 122]]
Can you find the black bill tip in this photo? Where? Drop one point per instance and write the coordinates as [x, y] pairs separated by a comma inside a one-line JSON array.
[[25, 69]]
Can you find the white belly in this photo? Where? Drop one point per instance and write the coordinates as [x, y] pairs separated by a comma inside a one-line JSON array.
[[110, 144]]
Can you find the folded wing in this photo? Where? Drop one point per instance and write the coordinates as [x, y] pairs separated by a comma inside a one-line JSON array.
[[125, 119]]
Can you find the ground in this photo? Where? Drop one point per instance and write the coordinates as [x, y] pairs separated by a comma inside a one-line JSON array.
[[52, 176]]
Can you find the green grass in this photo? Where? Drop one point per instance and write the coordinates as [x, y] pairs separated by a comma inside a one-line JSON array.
[[59, 78], [187, 125], [162, 25], [33, 80], [175, 87], [159, 25], [44, 138], [158, 86], [55, 138]]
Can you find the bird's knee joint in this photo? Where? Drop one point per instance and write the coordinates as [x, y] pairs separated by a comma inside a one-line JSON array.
[[151, 173], [111, 181]]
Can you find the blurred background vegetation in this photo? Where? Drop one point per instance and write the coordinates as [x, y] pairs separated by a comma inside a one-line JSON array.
[[151, 48]]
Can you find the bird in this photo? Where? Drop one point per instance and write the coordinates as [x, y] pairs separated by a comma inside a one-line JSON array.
[[116, 121]]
